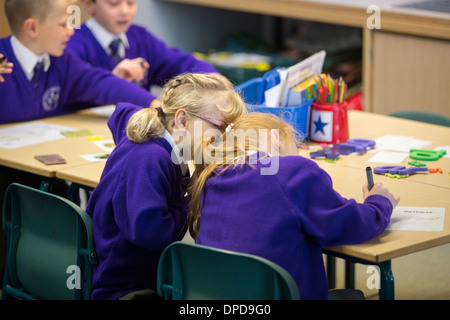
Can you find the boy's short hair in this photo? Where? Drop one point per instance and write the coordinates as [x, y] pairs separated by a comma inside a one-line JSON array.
[[17, 11]]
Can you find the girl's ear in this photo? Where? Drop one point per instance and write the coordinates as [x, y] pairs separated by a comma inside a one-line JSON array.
[[181, 119], [274, 141]]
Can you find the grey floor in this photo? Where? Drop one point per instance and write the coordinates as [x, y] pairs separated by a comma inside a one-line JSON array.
[[423, 275]]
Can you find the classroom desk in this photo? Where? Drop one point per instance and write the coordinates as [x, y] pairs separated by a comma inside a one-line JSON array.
[[69, 148], [419, 190], [372, 126], [348, 174]]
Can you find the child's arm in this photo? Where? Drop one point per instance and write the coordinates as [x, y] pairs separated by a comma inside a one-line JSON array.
[[5, 67], [379, 189], [92, 86], [327, 216]]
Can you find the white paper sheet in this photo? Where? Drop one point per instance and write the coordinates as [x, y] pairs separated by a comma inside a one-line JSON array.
[[31, 133], [394, 142], [106, 145], [104, 111], [389, 157], [446, 148], [95, 157], [417, 219]]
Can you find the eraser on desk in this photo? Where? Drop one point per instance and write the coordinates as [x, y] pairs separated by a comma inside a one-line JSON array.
[[49, 159]]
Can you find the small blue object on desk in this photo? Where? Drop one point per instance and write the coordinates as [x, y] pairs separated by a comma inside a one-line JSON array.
[[352, 145], [401, 170]]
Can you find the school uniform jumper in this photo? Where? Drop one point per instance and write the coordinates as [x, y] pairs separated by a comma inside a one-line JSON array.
[[287, 218], [69, 85], [138, 209], [165, 62]]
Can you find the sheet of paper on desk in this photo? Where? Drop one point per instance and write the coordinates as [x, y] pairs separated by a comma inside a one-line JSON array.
[[95, 157], [106, 145], [417, 219], [31, 133], [389, 157], [446, 148], [104, 111], [394, 142]]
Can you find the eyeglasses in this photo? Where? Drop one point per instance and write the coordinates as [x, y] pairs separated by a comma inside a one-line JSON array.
[[218, 123], [222, 125]]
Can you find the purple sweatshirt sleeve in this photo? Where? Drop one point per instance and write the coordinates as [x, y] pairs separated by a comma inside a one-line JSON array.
[[141, 219], [327, 216], [97, 86]]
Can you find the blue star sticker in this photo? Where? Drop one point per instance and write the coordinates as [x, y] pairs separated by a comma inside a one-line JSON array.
[[319, 125]]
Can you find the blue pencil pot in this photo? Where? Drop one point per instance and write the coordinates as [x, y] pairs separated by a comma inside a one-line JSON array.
[[252, 92]]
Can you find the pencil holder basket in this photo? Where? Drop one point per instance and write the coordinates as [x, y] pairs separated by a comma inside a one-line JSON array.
[[329, 123], [296, 116]]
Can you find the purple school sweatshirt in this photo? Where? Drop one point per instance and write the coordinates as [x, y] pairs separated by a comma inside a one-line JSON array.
[[138, 209], [69, 85], [287, 218], [165, 62]]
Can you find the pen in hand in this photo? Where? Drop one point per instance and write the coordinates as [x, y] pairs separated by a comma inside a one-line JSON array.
[[369, 177]]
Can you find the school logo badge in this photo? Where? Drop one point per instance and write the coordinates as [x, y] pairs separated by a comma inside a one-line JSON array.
[[50, 99]]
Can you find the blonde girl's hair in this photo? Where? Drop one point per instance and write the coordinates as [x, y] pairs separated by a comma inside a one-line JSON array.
[[249, 134], [194, 92]]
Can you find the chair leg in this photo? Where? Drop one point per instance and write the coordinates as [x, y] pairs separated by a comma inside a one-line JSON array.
[[46, 184]]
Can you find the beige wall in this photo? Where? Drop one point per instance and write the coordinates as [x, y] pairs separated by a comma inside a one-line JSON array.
[[4, 27]]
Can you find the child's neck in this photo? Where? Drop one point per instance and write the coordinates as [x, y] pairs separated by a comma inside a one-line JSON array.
[[30, 44]]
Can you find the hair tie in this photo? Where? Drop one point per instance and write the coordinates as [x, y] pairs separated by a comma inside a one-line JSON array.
[[230, 126], [161, 113]]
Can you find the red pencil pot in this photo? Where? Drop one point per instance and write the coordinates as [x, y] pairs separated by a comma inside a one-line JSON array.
[[329, 123]]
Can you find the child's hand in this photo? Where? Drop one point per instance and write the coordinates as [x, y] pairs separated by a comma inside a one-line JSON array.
[[131, 70], [380, 189], [5, 67]]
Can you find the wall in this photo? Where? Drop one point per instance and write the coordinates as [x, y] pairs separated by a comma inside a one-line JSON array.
[[193, 28], [4, 27]]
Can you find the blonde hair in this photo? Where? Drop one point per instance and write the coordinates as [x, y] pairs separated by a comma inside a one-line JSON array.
[[17, 11], [230, 149], [194, 92]]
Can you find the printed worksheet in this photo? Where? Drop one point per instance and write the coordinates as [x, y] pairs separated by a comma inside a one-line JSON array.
[[417, 219], [31, 133]]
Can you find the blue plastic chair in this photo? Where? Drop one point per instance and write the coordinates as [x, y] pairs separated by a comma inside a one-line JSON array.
[[189, 271], [422, 116], [50, 246]]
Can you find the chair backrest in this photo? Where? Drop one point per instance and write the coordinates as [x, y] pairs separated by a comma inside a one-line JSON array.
[[423, 116], [189, 271], [50, 250]]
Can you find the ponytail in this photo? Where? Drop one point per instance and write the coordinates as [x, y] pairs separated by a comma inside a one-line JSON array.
[[144, 124]]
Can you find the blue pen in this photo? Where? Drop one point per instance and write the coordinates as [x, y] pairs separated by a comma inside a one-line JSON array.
[[369, 177]]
